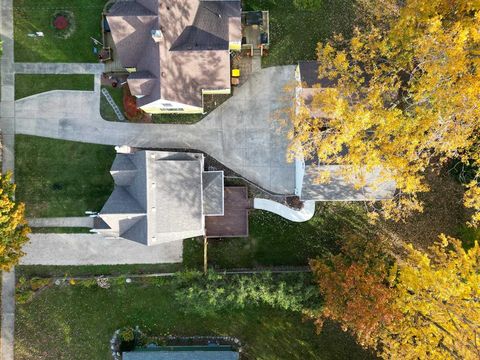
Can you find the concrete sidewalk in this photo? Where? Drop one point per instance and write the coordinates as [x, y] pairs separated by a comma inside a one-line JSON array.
[[93, 249], [7, 125], [84, 221], [59, 68], [8, 315]]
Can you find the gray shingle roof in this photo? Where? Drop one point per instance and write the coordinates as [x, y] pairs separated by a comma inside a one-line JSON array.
[[340, 189], [309, 75], [180, 355], [210, 29], [213, 193], [158, 197]]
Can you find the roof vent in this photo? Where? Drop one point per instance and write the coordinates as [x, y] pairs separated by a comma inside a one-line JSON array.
[[157, 35]]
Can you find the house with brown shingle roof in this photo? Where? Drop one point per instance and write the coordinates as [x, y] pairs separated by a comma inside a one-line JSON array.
[[176, 50]]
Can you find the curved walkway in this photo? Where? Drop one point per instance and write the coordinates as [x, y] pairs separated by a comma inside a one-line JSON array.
[[244, 133], [305, 214]]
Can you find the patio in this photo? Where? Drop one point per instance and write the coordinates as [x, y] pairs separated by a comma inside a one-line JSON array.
[[234, 222]]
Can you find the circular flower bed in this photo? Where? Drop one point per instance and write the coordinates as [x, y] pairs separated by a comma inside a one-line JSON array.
[[60, 22], [63, 24]]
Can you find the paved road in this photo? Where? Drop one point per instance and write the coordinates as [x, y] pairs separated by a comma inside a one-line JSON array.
[[93, 249], [244, 133]]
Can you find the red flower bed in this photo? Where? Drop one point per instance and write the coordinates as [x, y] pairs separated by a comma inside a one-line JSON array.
[[129, 103], [60, 22]]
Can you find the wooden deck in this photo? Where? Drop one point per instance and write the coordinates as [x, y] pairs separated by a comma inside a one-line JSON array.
[[234, 222], [113, 65]]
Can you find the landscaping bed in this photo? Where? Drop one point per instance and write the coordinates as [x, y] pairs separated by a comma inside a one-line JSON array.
[[31, 84], [67, 26], [57, 178], [77, 322], [210, 102]]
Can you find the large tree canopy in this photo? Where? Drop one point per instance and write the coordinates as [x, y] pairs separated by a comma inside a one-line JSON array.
[[13, 226], [405, 97], [425, 307]]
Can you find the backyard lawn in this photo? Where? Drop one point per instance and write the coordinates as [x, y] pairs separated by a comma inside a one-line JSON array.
[[275, 241], [31, 84], [75, 322], [72, 45], [61, 178], [294, 33]]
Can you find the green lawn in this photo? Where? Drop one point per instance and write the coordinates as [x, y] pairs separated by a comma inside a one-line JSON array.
[[106, 110], [31, 84], [60, 230], [74, 322], [31, 16], [294, 34], [61, 178], [46, 271], [275, 241]]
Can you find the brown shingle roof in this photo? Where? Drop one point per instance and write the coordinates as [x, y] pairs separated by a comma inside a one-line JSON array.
[[191, 53]]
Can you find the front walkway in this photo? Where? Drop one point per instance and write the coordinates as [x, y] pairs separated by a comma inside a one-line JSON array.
[[59, 68], [93, 249], [244, 133], [84, 221]]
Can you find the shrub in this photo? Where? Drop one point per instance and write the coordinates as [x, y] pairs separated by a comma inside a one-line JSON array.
[[215, 292], [39, 283], [88, 283]]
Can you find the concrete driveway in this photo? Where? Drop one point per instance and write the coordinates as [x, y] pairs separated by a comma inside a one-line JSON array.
[[243, 133], [93, 249]]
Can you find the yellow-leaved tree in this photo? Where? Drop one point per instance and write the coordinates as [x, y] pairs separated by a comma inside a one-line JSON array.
[[405, 97], [439, 299], [13, 226], [426, 308]]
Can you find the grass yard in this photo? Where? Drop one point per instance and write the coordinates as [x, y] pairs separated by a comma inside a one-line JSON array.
[[294, 33], [47, 271], [61, 178], [31, 16], [60, 230], [74, 322], [274, 241], [106, 110], [31, 84]]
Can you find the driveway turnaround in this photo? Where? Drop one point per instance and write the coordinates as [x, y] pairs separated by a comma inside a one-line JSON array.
[[245, 133], [93, 249]]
